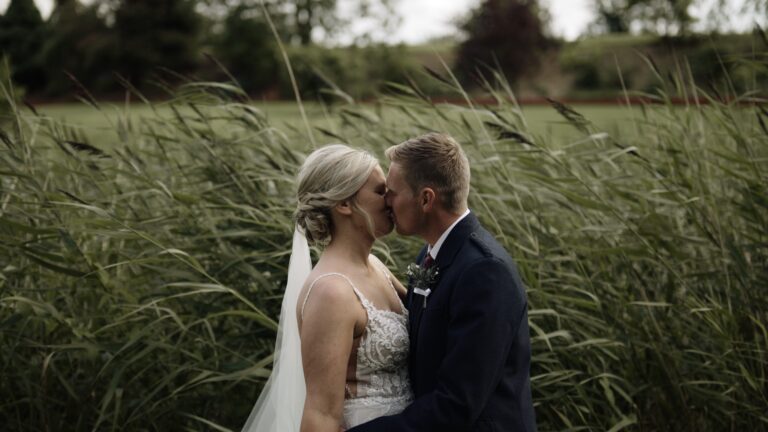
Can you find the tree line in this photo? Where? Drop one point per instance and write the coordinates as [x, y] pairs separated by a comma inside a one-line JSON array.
[[107, 42], [147, 44]]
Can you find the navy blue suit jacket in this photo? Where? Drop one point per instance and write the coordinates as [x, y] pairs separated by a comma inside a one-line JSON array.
[[470, 349]]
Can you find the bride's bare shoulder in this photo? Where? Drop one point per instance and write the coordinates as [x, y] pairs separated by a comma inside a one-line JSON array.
[[327, 290]]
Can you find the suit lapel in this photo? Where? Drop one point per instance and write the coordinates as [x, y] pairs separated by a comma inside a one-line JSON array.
[[454, 241], [445, 258], [412, 309]]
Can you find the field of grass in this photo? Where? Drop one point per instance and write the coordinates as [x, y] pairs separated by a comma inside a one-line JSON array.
[[98, 124], [143, 253]]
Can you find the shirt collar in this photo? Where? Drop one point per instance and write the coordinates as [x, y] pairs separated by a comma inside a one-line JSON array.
[[434, 250]]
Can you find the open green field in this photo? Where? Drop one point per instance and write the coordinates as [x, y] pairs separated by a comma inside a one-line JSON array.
[[143, 253], [542, 120]]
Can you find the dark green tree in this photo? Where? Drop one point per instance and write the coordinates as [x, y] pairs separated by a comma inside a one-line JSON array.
[[665, 17], [502, 34], [727, 16], [80, 44], [247, 48], [309, 14], [22, 33], [298, 21], [156, 33], [613, 15]]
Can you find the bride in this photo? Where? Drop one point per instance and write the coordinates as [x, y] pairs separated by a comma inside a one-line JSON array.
[[342, 344]]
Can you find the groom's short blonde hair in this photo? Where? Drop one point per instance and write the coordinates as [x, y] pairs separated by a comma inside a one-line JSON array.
[[435, 160]]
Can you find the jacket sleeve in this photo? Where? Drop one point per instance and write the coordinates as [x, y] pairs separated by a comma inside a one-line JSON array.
[[486, 309]]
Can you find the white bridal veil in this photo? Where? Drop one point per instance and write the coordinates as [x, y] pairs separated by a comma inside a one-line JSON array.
[[281, 403]]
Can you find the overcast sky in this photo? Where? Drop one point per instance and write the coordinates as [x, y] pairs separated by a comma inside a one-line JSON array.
[[423, 19]]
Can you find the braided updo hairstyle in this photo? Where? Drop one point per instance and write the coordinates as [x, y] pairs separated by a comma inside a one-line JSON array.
[[329, 175]]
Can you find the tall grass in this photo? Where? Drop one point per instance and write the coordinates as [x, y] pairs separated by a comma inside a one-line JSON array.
[[141, 276]]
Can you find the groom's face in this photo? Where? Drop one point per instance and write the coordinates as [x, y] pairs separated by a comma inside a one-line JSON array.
[[402, 202]]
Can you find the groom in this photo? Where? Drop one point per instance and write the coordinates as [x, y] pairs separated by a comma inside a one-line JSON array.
[[470, 351]]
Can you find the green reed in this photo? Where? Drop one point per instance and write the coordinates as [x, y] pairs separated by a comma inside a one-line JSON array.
[[141, 274]]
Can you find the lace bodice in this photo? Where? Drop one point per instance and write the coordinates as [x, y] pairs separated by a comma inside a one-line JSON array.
[[381, 373]]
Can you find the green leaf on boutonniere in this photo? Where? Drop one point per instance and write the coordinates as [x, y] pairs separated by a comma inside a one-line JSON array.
[[422, 279]]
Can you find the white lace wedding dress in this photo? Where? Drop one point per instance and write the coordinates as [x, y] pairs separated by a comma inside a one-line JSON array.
[[378, 385]]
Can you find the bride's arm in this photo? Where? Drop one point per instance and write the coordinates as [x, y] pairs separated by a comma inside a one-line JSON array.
[[327, 330]]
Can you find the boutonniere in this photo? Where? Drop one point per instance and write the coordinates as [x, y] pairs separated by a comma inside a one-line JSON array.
[[422, 279]]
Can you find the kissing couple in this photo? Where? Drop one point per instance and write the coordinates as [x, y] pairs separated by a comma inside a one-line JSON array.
[[358, 351]]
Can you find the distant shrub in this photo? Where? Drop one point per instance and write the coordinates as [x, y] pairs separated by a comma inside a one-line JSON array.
[[716, 60], [310, 65], [360, 72], [594, 64]]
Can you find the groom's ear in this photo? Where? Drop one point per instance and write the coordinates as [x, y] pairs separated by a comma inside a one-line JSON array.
[[427, 199], [344, 207]]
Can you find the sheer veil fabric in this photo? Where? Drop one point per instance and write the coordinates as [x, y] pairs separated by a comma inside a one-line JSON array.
[[281, 403]]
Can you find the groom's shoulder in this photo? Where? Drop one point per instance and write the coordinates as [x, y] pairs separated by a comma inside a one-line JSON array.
[[486, 253], [487, 246]]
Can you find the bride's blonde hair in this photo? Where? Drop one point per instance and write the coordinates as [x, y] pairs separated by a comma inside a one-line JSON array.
[[329, 175]]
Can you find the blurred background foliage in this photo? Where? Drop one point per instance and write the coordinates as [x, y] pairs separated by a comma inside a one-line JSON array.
[[154, 44]]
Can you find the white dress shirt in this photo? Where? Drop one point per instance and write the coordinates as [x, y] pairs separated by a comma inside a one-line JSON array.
[[434, 250]]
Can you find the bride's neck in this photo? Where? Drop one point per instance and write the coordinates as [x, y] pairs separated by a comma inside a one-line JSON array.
[[351, 247]]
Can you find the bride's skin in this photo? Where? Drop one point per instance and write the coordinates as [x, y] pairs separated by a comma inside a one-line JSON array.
[[334, 319]]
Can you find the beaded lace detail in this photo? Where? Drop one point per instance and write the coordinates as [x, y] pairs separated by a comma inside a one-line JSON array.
[[382, 372]]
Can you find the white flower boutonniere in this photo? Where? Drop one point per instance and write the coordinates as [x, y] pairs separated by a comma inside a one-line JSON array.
[[422, 279]]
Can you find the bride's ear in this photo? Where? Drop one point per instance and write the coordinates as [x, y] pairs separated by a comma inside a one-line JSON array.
[[343, 207]]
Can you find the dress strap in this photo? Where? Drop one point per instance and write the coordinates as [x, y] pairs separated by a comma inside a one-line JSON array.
[[359, 295], [392, 285], [389, 279]]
